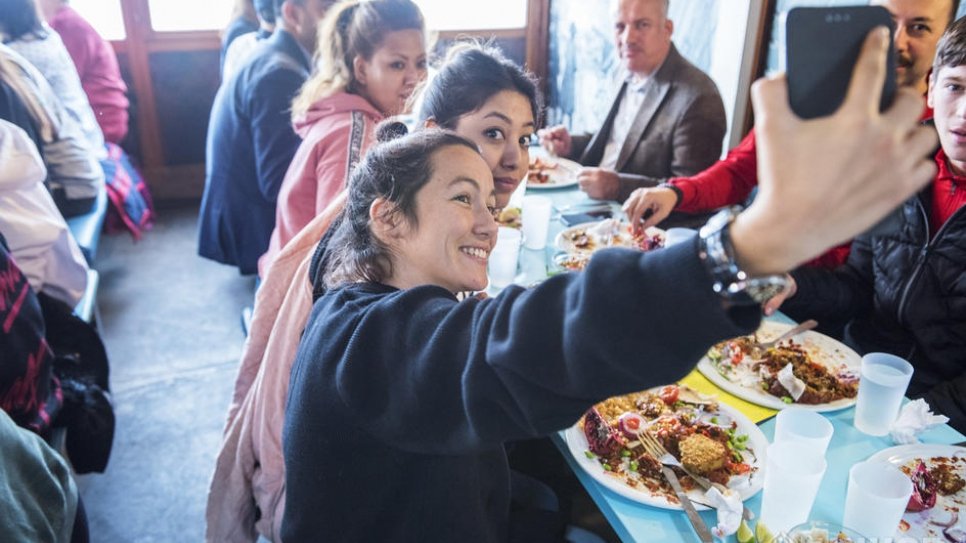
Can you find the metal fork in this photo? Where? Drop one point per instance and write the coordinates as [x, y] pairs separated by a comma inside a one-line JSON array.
[[654, 448], [704, 534]]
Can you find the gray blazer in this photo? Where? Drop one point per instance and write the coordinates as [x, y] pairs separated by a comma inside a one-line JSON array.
[[677, 133]]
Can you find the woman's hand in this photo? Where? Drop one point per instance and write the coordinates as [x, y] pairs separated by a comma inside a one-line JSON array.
[[826, 180], [556, 140]]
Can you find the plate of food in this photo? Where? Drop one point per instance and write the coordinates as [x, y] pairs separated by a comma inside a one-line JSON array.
[[552, 173], [593, 236], [937, 509], [708, 437], [810, 370]]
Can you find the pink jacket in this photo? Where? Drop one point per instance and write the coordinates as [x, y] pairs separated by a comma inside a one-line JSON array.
[[335, 133], [250, 470]]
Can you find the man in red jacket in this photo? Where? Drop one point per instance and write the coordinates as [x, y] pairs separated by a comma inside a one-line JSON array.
[[919, 25]]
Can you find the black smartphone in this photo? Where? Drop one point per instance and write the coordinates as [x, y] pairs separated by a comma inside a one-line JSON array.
[[821, 47], [572, 219]]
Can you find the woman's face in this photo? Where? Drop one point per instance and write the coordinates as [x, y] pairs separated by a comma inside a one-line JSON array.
[[387, 79], [502, 128], [451, 243]]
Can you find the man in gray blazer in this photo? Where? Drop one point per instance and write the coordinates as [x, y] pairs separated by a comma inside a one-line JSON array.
[[667, 119]]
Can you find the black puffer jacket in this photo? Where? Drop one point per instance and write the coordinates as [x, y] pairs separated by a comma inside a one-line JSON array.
[[906, 295]]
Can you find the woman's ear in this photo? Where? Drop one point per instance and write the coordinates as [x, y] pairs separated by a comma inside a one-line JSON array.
[[430, 123], [383, 219], [359, 69]]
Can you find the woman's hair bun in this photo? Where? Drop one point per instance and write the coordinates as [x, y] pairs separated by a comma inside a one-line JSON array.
[[390, 130]]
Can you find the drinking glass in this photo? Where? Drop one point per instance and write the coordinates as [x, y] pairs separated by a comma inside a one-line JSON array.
[[792, 477], [536, 221], [883, 382], [876, 498], [503, 257], [806, 428]]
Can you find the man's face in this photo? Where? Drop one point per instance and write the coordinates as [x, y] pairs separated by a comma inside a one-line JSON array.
[[643, 34], [947, 97], [309, 14], [919, 25]]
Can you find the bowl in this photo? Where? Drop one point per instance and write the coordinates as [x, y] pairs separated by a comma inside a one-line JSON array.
[[818, 531]]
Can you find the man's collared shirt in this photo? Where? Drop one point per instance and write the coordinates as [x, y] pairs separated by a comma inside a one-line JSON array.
[[626, 113]]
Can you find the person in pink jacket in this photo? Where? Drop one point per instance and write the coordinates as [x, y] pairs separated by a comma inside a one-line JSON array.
[[338, 106], [477, 93]]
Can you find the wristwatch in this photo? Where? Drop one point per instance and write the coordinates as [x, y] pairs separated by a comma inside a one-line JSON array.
[[718, 255]]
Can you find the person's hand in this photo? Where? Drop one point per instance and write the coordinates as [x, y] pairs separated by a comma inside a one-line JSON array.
[[776, 301], [556, 140], [659, 200], [599, 184], [825, 180]]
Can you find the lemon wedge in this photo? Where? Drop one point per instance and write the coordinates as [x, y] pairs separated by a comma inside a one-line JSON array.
[[762, 534], [744, 533]]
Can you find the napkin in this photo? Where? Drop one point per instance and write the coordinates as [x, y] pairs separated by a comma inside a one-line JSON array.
[[914, 418], [729, 508]]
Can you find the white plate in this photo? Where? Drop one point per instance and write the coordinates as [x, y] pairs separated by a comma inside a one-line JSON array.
[[920, 528], [821, 348], [746, 487], [564, 243], [564, 175]]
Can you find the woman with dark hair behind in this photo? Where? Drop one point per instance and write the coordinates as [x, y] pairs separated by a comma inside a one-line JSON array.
[[370, 58], [25, 32]]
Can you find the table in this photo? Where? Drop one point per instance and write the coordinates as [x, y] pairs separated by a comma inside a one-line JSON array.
[[633, 521]]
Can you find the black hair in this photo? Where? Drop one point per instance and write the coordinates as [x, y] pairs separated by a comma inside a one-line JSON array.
[[469, 76], [265, 10], [19, 18], [394, 169]]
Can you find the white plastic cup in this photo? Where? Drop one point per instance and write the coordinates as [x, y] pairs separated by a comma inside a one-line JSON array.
[[792, 477], [673, 236], [536, 211], [882, 385], [805, 428], [503, 258], [876, 499]]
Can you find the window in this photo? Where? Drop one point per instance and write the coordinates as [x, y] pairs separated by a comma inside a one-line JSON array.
[[490, 15], [187, 15], [104, 15]]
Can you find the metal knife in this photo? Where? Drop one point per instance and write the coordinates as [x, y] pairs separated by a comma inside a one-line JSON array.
[[699, 526]]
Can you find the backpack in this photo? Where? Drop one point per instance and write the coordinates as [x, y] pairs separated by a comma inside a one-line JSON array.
[[82, 367]]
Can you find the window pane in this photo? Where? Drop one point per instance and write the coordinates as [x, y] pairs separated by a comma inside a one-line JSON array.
[[492, 14], [104, 15], [182, 15]]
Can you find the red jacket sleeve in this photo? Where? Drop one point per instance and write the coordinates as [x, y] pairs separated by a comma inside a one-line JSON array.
[[729, 181]]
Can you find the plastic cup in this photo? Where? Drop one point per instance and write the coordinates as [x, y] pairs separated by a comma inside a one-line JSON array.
[[876, 498], [503, 258], [882, 385], [673, 236], [792, 477], [807, 429], [536, 212]]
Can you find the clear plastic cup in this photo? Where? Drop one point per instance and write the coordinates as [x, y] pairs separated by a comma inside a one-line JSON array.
[[536, 221], [792, 477], [882, 385], [504, 256], [806, 428], [877, 496]]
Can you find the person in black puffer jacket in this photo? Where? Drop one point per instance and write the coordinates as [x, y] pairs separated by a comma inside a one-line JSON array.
[[905, 291]]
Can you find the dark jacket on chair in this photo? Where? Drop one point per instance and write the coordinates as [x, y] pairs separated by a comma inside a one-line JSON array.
[[250, 145], [907, 294], [677, 133]]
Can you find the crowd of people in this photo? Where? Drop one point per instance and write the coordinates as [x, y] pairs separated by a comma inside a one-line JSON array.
[[370, 233], [372, 379]]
